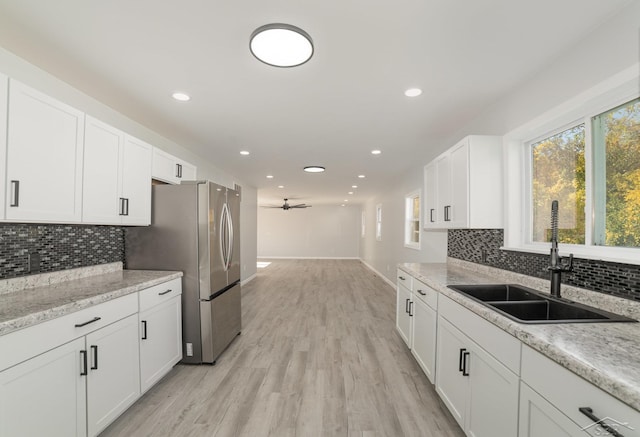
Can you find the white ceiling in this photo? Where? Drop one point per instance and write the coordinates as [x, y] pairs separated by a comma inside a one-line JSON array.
[[332, 111]]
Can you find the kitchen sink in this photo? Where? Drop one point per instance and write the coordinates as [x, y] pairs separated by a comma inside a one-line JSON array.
[[526, 305]]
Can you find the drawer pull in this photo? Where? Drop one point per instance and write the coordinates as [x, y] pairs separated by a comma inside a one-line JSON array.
[[80, 325], [165, 292], [422, 292], [587, 411], [401, 278]]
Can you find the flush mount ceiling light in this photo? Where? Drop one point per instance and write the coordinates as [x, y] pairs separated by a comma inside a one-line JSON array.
[[413, 92], [269, 176], [376, 152], [245, 152], [281, 45], [182, 97], [314, 169], [361, 176]]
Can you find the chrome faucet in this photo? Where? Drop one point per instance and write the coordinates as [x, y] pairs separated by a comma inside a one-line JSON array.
[[557, 264]]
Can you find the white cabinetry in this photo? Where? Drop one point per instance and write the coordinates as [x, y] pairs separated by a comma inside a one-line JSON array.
[[46, 395], [113, 378], [168, 168], [44, 158], [416, 318], [117, 177], [79, 372], [160, 331], [4, 100], [463, 186], [403, 306], [564, 408], [477, 365]]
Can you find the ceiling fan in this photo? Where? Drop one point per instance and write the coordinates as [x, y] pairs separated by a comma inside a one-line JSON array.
[[286, 205]]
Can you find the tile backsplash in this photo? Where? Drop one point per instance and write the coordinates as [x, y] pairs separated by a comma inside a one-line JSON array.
[[482, 246], [60, 247]]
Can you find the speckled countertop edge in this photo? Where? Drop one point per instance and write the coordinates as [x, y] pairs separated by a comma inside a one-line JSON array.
[[605, 354], [20, 309]]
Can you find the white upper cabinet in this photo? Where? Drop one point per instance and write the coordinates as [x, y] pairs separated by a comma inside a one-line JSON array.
[[464, 185], [168, 168], [117, 177], [136, 182], [43, 157], [102, 185], [4, 97]]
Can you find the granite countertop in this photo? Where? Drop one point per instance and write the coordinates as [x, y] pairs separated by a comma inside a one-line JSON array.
[[22, 306], [605, 354]]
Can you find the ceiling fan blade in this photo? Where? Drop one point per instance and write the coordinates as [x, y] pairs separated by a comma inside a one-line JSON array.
[[302, 205]]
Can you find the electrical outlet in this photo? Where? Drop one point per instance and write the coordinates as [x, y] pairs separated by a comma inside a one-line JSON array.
[[189, 349]]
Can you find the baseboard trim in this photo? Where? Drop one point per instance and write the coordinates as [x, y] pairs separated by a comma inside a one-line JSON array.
[[249, 279], [307, 257], [383, 277]]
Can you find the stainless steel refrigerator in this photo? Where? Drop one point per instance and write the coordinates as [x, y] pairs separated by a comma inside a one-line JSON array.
[[195, 229]]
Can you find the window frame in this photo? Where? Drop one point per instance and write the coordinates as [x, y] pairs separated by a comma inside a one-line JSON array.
[[408, 218], [604, 96], [379, 222]]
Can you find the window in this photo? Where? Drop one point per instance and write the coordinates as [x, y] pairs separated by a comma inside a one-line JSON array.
[[412, 220], [379, 222], [586, 154], [558, 173], [363, 223], [616, 164]]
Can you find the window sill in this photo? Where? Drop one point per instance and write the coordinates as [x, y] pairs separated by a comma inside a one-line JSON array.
[[412, 246]]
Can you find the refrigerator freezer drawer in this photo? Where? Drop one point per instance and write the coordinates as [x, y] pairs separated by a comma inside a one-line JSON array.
[[221, 322]]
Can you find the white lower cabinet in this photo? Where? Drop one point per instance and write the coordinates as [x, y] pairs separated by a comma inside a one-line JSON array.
[[555, 398], [480, 391], [423, 340], [160, 331], [46, 395], [403, 313], [74, 375], [113, 372]]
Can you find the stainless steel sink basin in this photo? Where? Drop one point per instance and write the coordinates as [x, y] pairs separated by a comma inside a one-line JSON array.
[[525, 305]]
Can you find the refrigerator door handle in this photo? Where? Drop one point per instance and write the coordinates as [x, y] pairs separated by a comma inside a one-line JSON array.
[[231, 238], [223, 237]]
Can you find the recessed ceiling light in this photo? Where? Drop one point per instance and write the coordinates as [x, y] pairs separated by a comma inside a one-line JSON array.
[[280, 186], [361, 176], [342, 204], [245, 152], [314, 169], [354, 186], [269, 176], [413, 92], [350, 192], [376, 152], [281, 45], [181, 96], [345, 200]]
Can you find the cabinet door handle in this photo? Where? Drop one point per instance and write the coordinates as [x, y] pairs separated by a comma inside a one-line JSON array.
[[144, 329], [446, 213], [588, 411], [422, 292], [83, 363], [121, 212], [165, 292], [406, 305], [126, 204], [410, 308], [465, 371], [461, 360], [431, 215], [94, 349], [95, 319], [15, 194], [178, 170]]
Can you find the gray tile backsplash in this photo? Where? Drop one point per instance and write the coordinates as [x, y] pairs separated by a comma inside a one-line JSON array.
[[606, 277], [59, 247]]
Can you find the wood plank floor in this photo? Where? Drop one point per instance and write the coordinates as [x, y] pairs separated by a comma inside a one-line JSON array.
[[318, 356]]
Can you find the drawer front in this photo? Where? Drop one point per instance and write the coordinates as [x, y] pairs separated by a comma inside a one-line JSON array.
[[160, 293], [568, 392], [504, 347], [425, 293], [404, 279], [34, 340]]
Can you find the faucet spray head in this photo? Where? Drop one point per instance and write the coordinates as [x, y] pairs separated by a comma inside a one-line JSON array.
[[554, 222]]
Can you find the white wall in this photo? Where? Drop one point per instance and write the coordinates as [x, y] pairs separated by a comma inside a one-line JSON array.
[[608, 50], [384, 255], [317, 232], [29, 74]]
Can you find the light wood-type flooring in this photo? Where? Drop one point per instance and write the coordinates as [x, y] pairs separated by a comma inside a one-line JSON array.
[[318, 356]]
